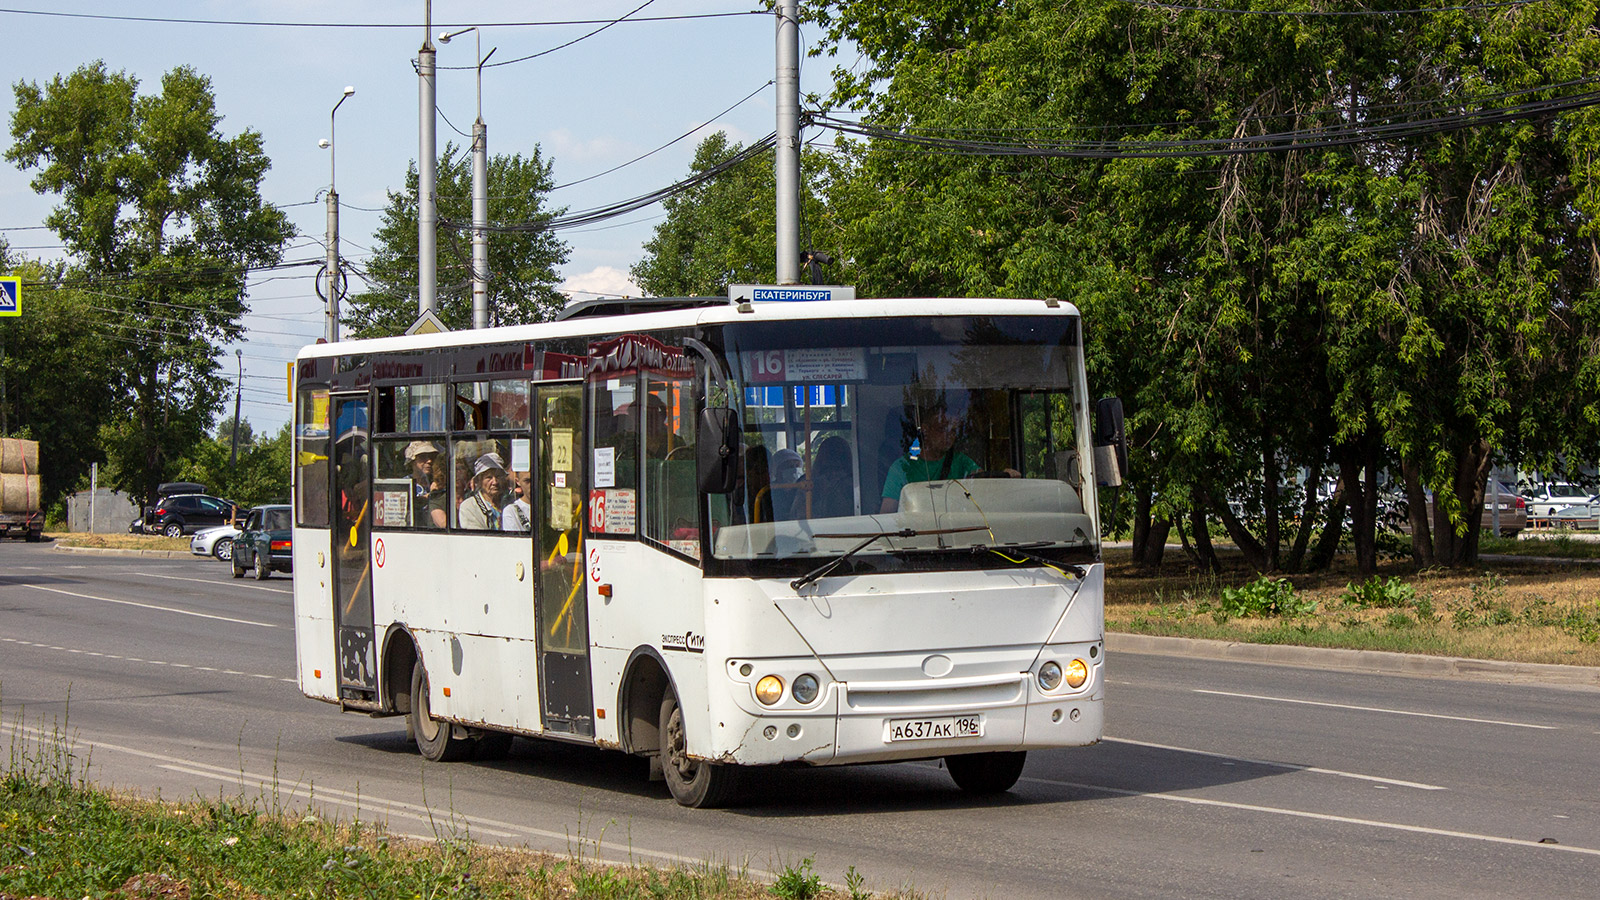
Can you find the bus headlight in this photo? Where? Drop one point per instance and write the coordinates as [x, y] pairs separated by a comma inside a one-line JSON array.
[[805, 689], [769, 690], [1077, 673], [1050, 676]]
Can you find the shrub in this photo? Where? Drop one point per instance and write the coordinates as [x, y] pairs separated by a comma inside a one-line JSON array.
[[798, 882], [1380, 593], [1265, 597]]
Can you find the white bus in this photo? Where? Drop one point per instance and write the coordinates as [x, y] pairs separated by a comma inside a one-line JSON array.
[[717, 534]]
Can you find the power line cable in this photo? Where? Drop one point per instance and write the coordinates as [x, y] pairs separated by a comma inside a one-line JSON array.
[[1299, 140], [375, 25], [507, 62], [668, 143]]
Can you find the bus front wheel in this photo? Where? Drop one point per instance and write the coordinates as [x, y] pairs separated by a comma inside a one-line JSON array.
[[694, 783], [435, 739], [986, 773]]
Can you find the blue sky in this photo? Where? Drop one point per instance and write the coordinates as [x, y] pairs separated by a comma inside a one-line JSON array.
[[591, 106]]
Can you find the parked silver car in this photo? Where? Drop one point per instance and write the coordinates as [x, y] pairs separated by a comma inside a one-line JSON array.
[[215, 541]]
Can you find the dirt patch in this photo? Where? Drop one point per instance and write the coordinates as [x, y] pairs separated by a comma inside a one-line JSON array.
[[119, 541]]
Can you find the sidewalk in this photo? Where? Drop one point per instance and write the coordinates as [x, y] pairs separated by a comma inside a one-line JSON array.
[[1374, 662]]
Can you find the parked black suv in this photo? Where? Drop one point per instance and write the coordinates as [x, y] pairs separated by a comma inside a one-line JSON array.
[[180, 514]]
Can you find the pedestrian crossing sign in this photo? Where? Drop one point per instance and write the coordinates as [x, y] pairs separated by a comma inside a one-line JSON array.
[[10, 295]]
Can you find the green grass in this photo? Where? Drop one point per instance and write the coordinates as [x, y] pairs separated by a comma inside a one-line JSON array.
[[1555, 544], [60, 836]]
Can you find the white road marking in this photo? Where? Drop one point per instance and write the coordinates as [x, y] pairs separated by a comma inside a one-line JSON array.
[[1379, 709], [210, 581], [181, 612], [1323, 817], [153, 662], [1297, 767]]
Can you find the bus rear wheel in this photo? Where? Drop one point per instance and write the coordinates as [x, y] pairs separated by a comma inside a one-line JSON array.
[[986, 773], [435, 739], [694, 783]]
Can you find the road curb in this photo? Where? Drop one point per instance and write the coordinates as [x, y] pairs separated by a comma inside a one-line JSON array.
[[1378, 662], [114, 551]]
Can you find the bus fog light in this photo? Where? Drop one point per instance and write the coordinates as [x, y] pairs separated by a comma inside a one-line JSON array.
[[1076, 714], [1055, 715], [794, 731], [770, 732], [1049, 676], [1077, 673], [805, 688], [769, 689]]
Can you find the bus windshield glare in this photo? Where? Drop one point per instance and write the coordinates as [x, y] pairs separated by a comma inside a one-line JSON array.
[[940, 435]]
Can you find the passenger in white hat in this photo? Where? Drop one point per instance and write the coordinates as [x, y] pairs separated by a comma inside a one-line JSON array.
[[481, 510], [427, 485]]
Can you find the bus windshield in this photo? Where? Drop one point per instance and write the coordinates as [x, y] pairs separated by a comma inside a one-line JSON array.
[[942, 436]]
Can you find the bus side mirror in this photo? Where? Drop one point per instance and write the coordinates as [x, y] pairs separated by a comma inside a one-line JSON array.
[[1110, 442], [719, 449]]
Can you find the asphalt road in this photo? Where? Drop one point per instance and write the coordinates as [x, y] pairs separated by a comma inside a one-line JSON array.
[[1217, 779]]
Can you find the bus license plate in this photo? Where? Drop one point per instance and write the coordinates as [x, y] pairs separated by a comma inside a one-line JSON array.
[[933, 729]]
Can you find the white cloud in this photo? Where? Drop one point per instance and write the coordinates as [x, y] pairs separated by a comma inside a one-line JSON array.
[[606, 281]]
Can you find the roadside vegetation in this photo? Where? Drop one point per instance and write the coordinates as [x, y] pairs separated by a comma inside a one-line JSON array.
[[1515, 609], [118, 541], [61, 837]]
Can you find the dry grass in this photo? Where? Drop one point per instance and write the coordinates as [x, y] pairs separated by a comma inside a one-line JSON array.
[[119, 541], [1508, 610]]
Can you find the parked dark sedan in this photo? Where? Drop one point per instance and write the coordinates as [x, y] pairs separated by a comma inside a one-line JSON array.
[[265, 543]]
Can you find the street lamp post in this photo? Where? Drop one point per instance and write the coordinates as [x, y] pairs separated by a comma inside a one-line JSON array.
[[238, 388], [331, 331], [480, 191]]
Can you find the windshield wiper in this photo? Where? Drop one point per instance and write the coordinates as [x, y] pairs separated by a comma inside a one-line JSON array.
[[831, 564], [1007, 552]]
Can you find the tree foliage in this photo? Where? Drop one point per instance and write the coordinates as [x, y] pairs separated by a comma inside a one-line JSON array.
[[161, 216], [522, 264], [721, 232], [1425, 304]]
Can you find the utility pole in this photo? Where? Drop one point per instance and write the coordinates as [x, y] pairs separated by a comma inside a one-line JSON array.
[[238, 388], [427, 171], [331, 326], [480, 190], [787, 161]]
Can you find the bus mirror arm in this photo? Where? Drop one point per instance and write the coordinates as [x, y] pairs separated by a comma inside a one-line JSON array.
[[719, 450], [1110, 443]]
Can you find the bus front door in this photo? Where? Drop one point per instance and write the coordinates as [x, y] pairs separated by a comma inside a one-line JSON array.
[[560, 594], [352, 559]]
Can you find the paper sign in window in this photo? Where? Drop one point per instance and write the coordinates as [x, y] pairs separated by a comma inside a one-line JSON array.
[[605, 467], [561, 449]]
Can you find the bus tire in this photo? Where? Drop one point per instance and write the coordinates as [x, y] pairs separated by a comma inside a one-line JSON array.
[[694, 783], [986, 773], [435, 739]]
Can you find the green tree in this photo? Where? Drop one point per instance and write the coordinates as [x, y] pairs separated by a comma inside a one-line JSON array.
[[721, 232], [1422, 300], [260, 476], [162, 217], [522, 263], [55, 385]]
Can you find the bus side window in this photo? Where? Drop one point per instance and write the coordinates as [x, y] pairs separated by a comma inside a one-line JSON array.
[[614, 473], [671, 493]]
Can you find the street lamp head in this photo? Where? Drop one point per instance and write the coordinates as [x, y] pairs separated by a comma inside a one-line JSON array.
[[348, 90], [445, 36], [324, 143]]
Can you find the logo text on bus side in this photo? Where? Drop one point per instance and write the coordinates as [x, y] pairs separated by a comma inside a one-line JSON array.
[[688, 641]]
